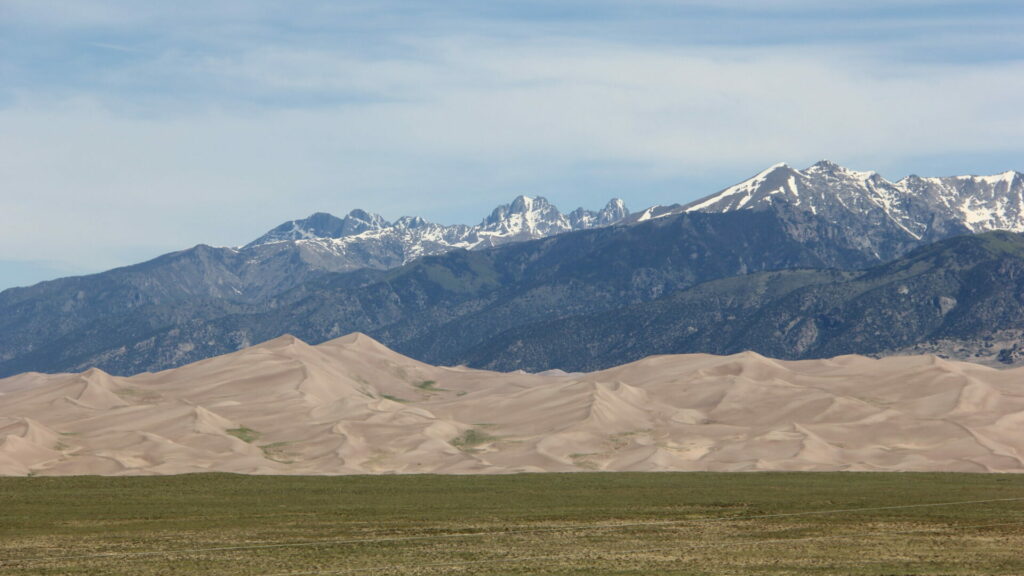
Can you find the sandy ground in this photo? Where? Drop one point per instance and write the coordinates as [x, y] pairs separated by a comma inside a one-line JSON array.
[[352, 406]]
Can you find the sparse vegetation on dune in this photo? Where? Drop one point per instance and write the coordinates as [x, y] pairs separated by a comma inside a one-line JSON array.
[[430, 386], [247, 435], [622, 523], [470, 439]]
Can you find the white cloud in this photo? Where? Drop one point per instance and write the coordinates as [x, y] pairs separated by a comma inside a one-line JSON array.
[[576, 101]]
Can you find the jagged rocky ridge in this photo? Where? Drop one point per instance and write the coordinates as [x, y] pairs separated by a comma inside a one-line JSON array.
[[921, 207], [364, 240], [875, 215], [299, 249]]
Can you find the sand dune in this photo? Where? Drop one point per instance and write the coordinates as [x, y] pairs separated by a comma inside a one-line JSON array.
[[352, 406]]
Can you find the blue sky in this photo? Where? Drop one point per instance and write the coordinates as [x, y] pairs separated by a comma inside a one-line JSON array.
[[133, 128]]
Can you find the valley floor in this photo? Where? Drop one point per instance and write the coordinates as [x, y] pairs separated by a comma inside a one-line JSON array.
[[585, 523]]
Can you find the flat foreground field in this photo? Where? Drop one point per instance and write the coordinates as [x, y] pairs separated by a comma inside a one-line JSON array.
[[603, 523]]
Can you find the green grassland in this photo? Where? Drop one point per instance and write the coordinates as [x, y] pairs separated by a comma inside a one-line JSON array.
[[593, 523]]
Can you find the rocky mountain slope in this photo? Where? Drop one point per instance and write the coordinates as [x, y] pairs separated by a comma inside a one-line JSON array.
[[204, 281], [875, 215], [962, 297], [449, 302], [922, 207], [524, 307]]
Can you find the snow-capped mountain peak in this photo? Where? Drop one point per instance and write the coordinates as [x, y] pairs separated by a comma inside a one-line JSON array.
[[323, 225], [362, 239], [411, 222], [531, 217], [980, 203], [358, 221], [1006, 177], [830, 168], [921, 208], [777, 179], [613, 211]]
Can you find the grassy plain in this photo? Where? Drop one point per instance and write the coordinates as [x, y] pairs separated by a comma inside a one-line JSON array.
[[600, 523]]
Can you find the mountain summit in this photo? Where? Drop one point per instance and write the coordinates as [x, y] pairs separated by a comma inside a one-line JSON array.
[[865, 212], [322, 225], [922, 208], [534, 217], [365, 240]]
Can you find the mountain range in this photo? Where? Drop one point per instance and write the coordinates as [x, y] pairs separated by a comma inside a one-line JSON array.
[[205, 281], [693, 277], [364, 240], [877, 216]]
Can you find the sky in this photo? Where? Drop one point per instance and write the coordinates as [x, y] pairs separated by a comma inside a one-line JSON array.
[[131, 128]]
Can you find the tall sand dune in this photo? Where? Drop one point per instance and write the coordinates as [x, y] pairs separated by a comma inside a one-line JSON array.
[[352, 406]]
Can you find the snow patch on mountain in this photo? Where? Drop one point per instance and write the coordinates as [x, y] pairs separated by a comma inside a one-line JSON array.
[[362, 239], [918, 206]]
